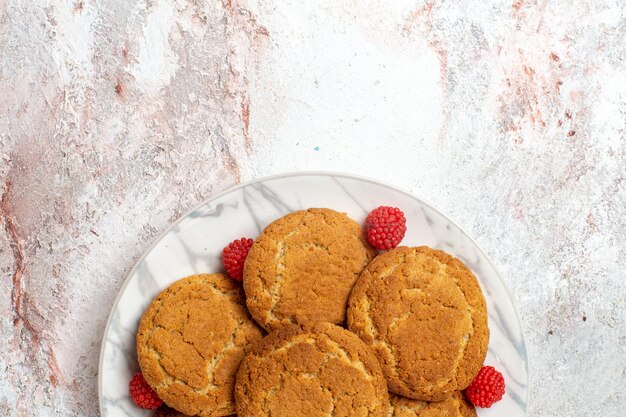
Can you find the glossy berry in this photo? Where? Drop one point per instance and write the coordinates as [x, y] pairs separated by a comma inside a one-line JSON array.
[[385, 227], [487, 388], [142, 394], [234, 256]]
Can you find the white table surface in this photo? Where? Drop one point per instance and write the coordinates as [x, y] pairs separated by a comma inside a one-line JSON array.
[[117, 116]]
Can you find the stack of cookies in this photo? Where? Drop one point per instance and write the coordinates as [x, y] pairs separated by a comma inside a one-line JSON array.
[[323, 325]]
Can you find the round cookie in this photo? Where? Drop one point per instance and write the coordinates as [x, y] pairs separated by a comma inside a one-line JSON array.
[[191, 340], [314, 370], [454, 406], [424, 315], [303, 266], [165, 411]]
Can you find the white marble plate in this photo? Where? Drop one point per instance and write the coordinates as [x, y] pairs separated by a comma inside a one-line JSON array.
[[194, 243]]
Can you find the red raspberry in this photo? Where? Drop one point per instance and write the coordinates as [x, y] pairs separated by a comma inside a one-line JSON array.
[[385, 227], [142, 394], [487, 388], [234, 256]]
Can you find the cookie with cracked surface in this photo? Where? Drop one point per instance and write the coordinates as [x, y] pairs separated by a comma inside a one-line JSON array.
[[165, 411], [424, 315], [191, 340], [454, 406], [313, 370], [303, 266]]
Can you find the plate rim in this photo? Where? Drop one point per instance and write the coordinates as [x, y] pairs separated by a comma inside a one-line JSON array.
[[342, 174]]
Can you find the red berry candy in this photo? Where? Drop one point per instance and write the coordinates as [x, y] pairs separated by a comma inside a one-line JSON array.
[[487, 388], [385, 227], [142, 394], [234, 256]]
